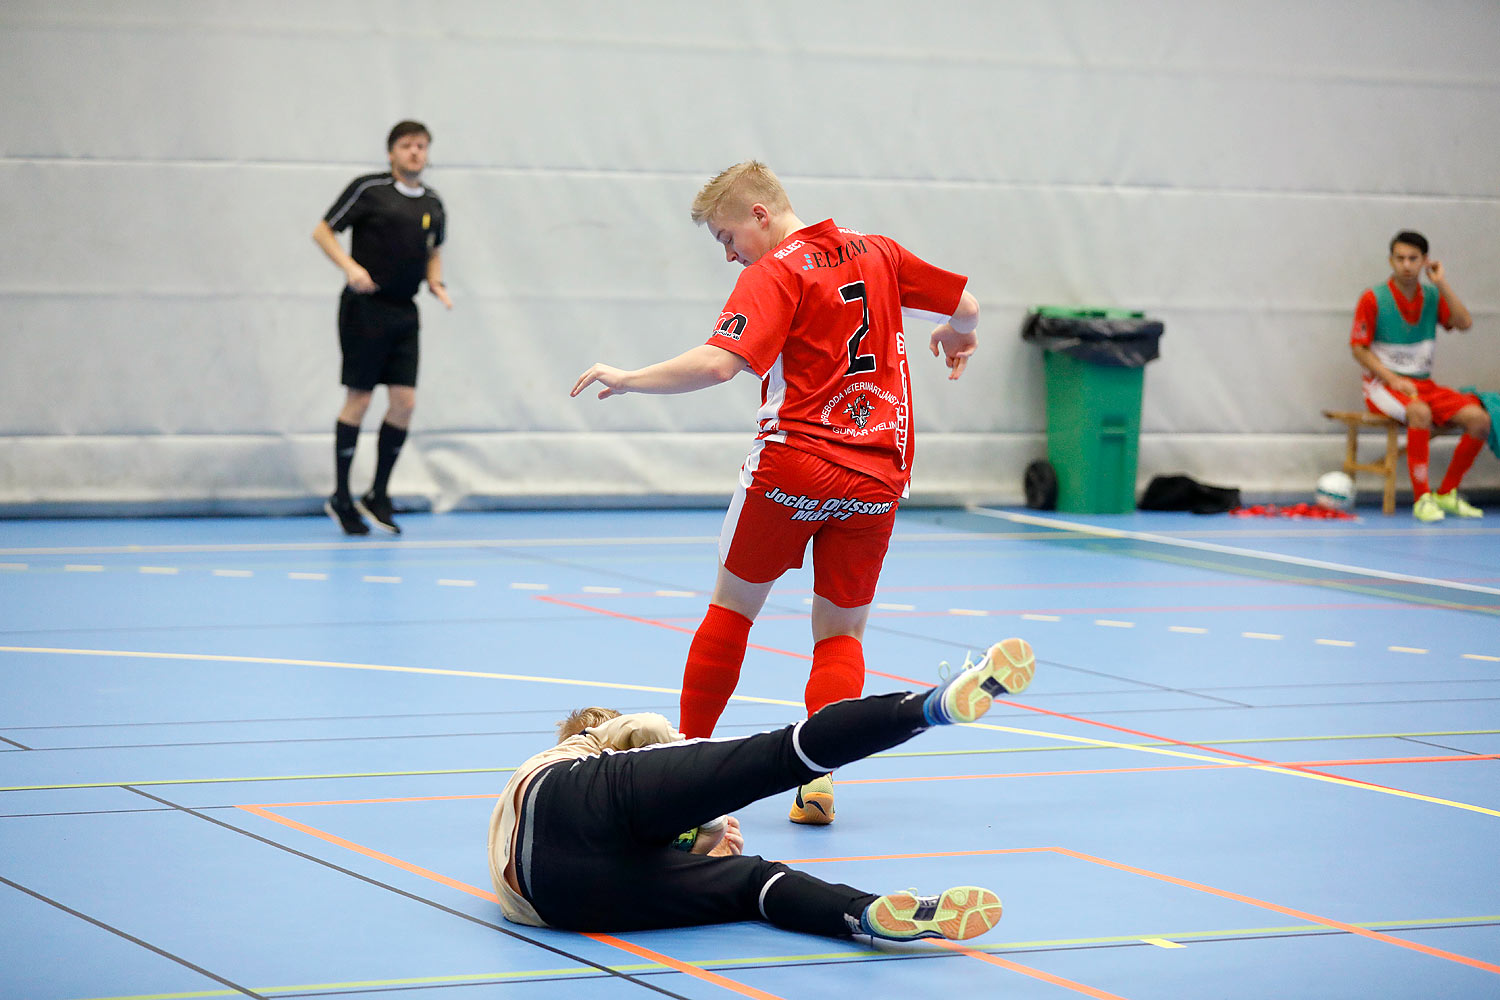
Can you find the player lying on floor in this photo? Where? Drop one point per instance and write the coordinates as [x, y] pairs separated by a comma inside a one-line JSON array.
[[583, 835]]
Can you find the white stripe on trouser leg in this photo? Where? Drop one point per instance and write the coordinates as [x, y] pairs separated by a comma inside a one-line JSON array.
[[812, 765], [1385, 401], [761, 902], [731, 520]]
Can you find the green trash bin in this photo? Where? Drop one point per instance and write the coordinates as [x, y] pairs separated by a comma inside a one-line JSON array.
[[1095, 365]]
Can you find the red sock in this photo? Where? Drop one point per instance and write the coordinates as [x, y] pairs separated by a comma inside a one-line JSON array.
[[838, 672], [1463, 457], [1416, 460], [713, 669]]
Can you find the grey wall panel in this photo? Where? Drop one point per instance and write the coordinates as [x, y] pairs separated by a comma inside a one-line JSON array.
[[167, 327]]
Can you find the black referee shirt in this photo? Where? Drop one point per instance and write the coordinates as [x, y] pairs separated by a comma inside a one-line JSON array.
[[393, 232]]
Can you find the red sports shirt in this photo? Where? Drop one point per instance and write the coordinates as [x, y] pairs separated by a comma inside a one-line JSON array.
[[819, 320]]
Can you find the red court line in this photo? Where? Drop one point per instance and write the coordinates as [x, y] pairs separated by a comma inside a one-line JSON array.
[[1286, 911], [1301, 765], [1188, 884], [453, 883], [679, 628], [1182, 743], [1025, 970], [1453, 759], [1018, 704]]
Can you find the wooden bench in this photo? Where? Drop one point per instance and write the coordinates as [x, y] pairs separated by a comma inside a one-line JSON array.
[[1388, 466]]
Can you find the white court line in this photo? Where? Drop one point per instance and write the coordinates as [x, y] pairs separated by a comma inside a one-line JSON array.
[[962, 537], [1111, 623], [528, 586], [602, 590], [1405, 649], [676, 593], [1042, 618], [1260, 635], [1145, 536], [12, 566], [455, 583], [77, 568], [233, 572], [967, 611], [307, 576], [896, 607], [1481, 656], [1333, 642], [382, 579], [1187, 629], [160, 570]]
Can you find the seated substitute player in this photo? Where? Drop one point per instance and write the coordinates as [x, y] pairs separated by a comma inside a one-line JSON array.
[[582, 837], [1394, 339], [399, 227], [816, 315]]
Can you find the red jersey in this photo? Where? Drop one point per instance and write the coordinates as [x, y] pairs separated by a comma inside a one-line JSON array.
[[818, 318]]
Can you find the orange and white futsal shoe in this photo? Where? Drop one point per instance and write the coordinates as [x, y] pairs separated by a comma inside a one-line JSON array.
[[814, 803], [959, 914], [1006, 669]]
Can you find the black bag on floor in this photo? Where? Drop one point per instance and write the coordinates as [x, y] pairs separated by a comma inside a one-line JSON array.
[[1186, 493], [1040, 485]]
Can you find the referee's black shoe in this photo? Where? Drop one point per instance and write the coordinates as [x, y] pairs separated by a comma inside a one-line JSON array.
[[379, 510], [341, 509]]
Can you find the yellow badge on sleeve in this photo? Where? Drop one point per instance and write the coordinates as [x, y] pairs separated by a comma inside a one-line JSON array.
[[426, 220]]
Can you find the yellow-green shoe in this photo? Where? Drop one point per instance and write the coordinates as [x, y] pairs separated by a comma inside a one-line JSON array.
[[814, 803], [959, 914], [1426, 509], [1452, 503]]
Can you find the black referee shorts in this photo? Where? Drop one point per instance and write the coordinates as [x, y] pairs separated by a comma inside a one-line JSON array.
[[379, 341]]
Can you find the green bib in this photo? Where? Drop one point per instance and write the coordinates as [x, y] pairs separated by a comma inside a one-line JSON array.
[[1392, 328]]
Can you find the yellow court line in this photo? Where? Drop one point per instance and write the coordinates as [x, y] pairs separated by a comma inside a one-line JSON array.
[[1268, 768], [1039, 734], [834, 956]]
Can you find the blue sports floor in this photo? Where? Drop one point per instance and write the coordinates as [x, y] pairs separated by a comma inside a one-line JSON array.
[[248, 757]]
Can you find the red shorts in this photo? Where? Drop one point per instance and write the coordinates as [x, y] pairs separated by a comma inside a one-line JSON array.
[[1443, 401], [786, 497]]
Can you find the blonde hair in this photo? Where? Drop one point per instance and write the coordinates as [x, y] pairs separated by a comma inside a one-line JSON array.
[[582, 719], [734, 190]]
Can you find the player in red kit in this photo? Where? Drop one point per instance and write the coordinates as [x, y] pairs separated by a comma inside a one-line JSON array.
[[816, 315]]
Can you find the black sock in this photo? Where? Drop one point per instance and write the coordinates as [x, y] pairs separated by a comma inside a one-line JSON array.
[[345, 438], [391, 440]]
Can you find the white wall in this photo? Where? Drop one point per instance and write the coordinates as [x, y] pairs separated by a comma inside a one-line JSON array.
[[167, 327]]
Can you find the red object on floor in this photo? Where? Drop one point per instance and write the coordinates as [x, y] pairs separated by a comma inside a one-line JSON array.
[[1300, 510]]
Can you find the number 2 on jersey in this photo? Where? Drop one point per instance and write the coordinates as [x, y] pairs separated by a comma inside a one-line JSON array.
[[858, 363]]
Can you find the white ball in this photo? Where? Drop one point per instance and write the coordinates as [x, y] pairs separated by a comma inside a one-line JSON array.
[[1335, 490]]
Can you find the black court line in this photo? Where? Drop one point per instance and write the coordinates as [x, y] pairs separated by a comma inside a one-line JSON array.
[[1440, 746], [244, 991], [283, 626], [549, 732], [299, 718], [409, 895], [923, 956]]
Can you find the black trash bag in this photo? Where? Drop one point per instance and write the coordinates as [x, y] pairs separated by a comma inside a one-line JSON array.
[[1040, 485], [1186, 493], [1108, 337]]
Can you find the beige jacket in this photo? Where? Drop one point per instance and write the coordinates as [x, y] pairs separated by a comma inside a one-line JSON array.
[[624, 732]]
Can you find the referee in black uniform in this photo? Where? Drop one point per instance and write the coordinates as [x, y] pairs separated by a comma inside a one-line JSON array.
[[398, 232]]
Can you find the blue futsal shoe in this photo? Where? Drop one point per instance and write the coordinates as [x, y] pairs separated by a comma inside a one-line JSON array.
[[1006, 669]]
